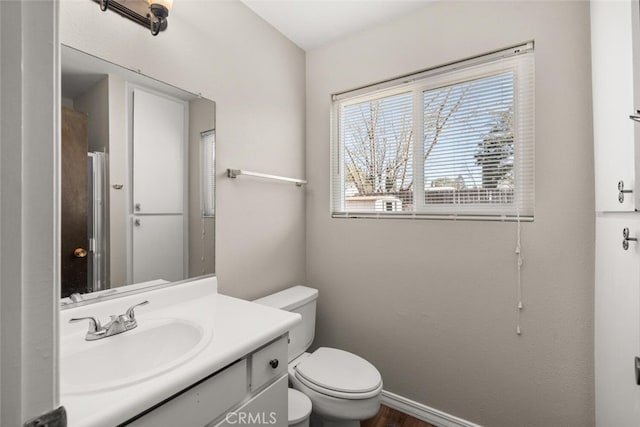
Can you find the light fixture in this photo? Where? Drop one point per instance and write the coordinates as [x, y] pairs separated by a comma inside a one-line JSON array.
[[149, 13], [160, 10]]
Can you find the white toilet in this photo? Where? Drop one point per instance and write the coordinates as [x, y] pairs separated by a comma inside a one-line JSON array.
[[344, 388], [299, 409]]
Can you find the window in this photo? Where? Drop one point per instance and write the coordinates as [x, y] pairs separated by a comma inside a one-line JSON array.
[[207, 173], [455, 140]]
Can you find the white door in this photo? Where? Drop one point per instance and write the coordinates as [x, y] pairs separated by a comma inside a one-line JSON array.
[[158, 248], [617, 321], [158, 154], [159, 194]]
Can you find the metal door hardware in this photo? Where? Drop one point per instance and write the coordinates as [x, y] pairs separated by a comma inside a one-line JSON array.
[[80, 253], [136, 223], [635, 117], [621, 191], [637, 370], [627, 239], [137, 206]]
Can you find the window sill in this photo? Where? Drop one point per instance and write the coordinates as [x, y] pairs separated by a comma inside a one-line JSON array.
[[419, 216]]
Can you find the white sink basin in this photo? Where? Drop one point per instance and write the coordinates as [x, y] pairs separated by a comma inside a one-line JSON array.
[[154, 347]]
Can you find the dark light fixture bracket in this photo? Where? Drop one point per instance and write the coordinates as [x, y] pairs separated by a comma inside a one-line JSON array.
[[153, 17]]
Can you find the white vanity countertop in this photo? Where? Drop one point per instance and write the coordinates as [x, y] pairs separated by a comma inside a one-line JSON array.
[[233, 329]]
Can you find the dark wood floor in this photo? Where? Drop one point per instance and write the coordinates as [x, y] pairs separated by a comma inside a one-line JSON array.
[[388, 417]]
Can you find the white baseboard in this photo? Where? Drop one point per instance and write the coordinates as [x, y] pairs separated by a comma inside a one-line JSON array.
[[423, 412]]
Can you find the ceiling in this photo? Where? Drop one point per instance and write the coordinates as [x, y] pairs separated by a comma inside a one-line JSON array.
[[314, 23]]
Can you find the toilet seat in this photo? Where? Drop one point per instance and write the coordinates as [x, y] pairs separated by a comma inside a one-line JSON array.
[[339, 374]]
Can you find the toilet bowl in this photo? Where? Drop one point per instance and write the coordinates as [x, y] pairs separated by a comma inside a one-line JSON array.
[[299, 409], [343, 388]]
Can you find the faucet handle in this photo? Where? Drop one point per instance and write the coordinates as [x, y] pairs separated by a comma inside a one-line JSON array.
[[131, 315], [94, 324]]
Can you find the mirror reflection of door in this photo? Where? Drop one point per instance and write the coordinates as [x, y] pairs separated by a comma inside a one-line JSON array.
[[159, 240], [74, 202]]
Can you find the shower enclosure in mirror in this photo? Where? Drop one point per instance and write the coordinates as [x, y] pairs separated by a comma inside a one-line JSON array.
[[138, 178]]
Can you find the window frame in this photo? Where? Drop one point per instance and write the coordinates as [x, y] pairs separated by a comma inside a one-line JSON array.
[[476, 68]]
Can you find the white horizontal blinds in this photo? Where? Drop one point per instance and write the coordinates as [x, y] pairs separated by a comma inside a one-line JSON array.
[[473, 123], [377, 149], [208, 172], [524, 127], [469, 144]]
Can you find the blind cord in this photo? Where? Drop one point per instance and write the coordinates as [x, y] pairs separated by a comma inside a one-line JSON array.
[[519, 261]]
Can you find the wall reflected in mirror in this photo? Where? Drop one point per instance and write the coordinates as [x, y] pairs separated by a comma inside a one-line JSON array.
[[137, 180]]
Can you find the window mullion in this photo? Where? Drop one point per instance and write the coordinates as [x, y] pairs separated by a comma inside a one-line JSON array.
[[418, 151]]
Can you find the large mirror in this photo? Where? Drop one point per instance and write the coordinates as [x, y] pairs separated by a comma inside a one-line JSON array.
[[138, 179]]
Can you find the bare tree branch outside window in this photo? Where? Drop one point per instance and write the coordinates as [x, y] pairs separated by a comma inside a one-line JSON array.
[[467, 145]]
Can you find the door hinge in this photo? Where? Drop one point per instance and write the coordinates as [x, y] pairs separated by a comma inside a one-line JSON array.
[[53, 418], [637, 370]]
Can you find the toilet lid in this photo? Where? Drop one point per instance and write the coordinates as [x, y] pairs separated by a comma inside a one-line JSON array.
[[338, 370], [299, 406]]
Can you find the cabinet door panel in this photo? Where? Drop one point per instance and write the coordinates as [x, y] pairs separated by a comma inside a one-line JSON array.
[[617, 321], [158, 247], [635, 32], [202, 403], [158, 154], [613, 131], [269, 408]]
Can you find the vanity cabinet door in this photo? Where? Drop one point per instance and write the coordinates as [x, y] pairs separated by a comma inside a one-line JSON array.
[[268, 408], [202, 403], [613, 92]]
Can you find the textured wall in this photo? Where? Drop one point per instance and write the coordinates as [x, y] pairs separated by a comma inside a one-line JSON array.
[[432, 303], [256, 77]]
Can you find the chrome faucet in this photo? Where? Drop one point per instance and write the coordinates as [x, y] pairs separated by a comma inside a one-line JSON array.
[[118, 324]]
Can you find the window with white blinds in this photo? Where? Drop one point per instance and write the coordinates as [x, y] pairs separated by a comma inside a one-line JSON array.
[[207, 173], [452, 141]]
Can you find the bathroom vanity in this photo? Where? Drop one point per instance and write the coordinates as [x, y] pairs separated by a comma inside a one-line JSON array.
[[195, 358]]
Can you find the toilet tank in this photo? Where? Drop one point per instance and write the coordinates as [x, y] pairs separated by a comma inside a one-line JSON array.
[[297, 299]]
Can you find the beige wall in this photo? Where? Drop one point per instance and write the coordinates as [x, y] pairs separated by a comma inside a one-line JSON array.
[[118, 174], [432, 303], [256, 77], [95, 104]]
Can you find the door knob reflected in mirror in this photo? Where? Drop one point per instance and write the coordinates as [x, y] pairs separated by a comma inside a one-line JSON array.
[[622, 191], [627, 239], [80, 253]]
